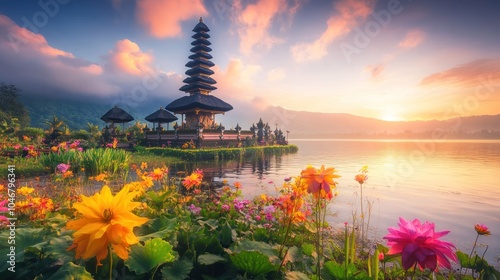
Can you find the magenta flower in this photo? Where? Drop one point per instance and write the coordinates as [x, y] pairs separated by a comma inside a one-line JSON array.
[[226, 208], [195, 210], [419, 243], [62, 167]]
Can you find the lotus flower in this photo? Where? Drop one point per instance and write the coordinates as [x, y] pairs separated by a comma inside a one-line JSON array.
[[419, 243]]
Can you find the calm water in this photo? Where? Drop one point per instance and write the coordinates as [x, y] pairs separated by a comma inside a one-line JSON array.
[[451, 183]]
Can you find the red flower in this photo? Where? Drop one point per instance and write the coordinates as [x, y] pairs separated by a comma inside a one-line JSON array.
[[482, 229], [419, 243]]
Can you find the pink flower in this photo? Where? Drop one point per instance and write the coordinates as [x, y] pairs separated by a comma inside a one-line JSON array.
[[62, 167], [419, 243], [482, 229], [195, 210], [226, 208]]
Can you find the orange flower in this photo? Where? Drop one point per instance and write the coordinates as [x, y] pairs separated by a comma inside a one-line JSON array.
[[361, 178], [482, 229], [237, 185], [106, 220], [158, 173], [68, 174], [193, 180], [99, 178], [54, 149], [319, 179], [144, 165]]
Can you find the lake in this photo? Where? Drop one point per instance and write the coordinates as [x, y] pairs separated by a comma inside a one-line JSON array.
[[454, 184]]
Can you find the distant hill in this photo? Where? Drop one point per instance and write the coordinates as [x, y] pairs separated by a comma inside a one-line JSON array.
[[300, 124], [303, 124]]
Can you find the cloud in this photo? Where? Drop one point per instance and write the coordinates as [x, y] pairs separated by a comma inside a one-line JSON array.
[[255, 21], [413, 38], [376, 72], [237, 78], [45, 69], [128, 57], [349, 14], [276, 74], [481, 72], [162, 18]]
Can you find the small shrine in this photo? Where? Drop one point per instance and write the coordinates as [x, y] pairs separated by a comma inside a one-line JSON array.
[[199, 108]]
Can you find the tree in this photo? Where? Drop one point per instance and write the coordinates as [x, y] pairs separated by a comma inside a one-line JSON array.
[[11, 107]]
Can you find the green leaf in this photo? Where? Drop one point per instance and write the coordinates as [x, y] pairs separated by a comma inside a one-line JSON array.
[[71, 271], [253, 262], [293, 255], [57, 247], [296, 275], [212, 223], [178, 270], [155, 252], [226, 235], [208, 259], [308, 249], [159, 227], [463, 259]]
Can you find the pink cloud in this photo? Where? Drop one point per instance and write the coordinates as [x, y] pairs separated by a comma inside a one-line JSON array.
[[413, 39], [162, 18], [255, 21], [376, 72], [349, 14], [481, 72], [128, 57], [237, 77]]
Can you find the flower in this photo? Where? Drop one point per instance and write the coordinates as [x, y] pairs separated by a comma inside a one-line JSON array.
[[25, 190], [226, 208], [193, 180], [68, 174], [237, 185], [320, 181], [419, 243], [62, 167], [195, 210], [158, 173], [107, 219], [482, 229], [144, 165], [361, 178], [3, 209]]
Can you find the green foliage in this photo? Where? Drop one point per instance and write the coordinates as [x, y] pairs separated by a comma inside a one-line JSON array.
[[222, 153], [152, 254], [51, 160], [11, 107], [254, 263], [178, 270], [97, 161], [70, 271]]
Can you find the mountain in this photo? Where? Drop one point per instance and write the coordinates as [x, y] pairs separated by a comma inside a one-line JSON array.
[[303, 124], [300, 124]]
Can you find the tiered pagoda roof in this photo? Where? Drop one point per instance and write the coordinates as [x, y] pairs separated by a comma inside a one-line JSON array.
[[199, 84]]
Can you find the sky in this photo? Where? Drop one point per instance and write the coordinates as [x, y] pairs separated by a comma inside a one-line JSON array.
[[391, 60]]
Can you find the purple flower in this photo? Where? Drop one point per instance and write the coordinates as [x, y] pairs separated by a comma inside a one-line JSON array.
[[62, 167], [195, 210]]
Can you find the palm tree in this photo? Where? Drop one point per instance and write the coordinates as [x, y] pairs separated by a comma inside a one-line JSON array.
[[93, 129], [54, 125]]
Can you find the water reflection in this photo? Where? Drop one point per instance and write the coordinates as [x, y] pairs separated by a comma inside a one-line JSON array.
[[451, 183]]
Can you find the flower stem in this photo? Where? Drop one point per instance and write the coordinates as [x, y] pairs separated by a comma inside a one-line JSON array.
[[110, 263]]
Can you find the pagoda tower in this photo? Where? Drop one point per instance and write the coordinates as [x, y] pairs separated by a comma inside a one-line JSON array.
[[199, 107]]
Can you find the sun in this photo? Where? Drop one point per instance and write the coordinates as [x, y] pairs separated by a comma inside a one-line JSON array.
[[390, 117]]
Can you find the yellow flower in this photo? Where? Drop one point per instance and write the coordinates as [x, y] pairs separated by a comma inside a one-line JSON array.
[[54, 149], [107, 219], [25, 190], [144, 165]]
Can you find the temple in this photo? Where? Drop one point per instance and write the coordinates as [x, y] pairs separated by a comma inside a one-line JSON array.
[[199, 108]]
